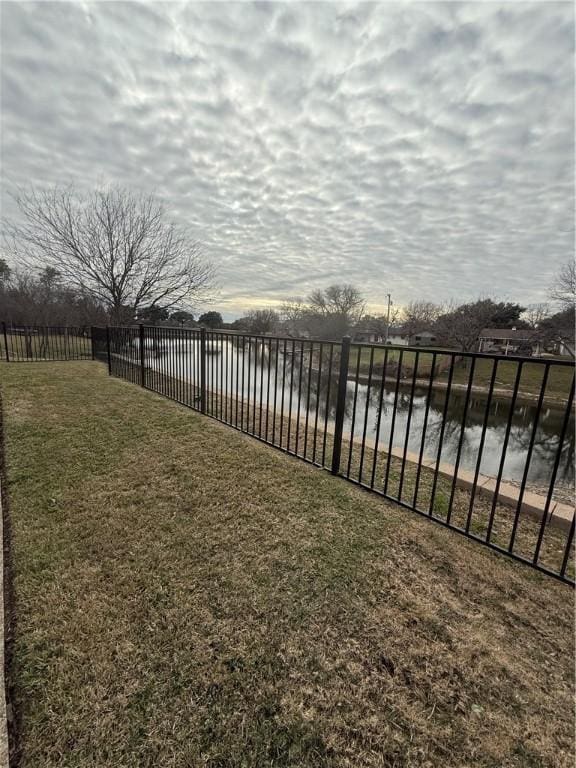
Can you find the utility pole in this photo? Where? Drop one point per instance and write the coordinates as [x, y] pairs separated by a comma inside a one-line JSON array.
[[388, 319]]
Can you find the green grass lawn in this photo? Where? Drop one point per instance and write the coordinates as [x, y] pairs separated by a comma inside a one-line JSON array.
[[558, 385], [408, 358], [559, 380], [45, 346], [186, 596]]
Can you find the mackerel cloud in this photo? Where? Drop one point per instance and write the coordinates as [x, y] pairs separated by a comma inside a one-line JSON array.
[[426, 150]]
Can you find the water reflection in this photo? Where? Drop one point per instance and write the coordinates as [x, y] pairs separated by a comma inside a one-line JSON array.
[[299, 378]]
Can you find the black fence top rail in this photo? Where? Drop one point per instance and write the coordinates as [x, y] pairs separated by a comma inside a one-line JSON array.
[[397, 347]]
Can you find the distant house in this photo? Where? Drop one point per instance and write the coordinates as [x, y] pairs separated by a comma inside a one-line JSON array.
[[564, 347], [399, 336], [423, 339], [368, 336], [510, 341]]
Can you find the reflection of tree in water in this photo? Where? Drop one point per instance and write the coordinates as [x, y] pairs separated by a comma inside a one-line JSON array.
[[546, 443], [444, 424], [311, 370], [522, 422]]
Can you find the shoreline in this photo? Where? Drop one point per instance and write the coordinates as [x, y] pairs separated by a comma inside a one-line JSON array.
[[522, 396]]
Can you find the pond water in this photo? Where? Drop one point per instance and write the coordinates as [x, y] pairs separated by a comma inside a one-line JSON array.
[[283, 379]]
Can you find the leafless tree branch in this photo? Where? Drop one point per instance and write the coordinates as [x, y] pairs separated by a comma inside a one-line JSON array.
[[114, 245]]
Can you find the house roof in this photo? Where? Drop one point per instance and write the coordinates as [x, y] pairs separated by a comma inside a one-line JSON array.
[[518, 334]]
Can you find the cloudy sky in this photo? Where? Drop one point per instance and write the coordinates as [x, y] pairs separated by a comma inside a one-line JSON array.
[[425, 150]]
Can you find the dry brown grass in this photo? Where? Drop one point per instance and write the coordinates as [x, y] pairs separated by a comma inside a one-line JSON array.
[[187, 596], [427, 491]]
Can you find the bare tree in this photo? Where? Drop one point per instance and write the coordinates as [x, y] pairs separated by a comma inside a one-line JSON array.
[[564, 288], [262, 320], [113, 245], [327, 313], [292, 309], [535, 314], [338, 300], [418, 316]]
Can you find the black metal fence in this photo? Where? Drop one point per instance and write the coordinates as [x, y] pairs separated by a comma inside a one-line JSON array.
[[34, 343], [481, 444]]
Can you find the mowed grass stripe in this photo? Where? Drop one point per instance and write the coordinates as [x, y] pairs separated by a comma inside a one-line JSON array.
[[187, 596]]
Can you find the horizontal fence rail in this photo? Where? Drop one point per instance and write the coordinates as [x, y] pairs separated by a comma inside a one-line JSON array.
[[38, 343], [481, 444]]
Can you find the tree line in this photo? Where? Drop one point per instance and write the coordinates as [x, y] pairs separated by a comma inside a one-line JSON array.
[[111, 252], [341, 309]]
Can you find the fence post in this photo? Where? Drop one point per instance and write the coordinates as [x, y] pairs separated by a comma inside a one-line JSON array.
[[6, 342], [108, 354], [142, 361], [340, 404], [203, 370], [93, 347]]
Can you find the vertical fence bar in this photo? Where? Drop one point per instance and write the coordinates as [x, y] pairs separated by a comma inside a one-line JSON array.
[[354, 402], [504, 450], [6, 342], [223, 380], [529, 456], [408, 425], [203, 370], [481, 446], [254, 385], [276, 356], [268, 386], [308, 399], [301, 364], [367, 408], [213, 373], [568, 550], [289, 427], [441, 435], [237, 377], [393, 422], [318, 384], [283, 390], [550, 493], [108, 354], [379, 418], [340, 403], [142, 364], [248, 374], [424, 428], [326, 414], [461, 439], [261, 396]]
